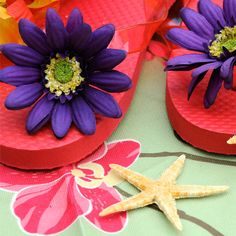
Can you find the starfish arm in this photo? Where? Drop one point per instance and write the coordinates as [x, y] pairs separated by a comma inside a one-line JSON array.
[[189, 191], [171, 174], [140, 200], [167, 204], [132, 177], [232, 140]]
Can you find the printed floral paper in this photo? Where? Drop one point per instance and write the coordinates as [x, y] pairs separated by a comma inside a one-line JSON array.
[[49, 202]]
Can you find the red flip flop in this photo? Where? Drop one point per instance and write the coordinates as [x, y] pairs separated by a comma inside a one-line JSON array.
[[43, 150], [207, 129]]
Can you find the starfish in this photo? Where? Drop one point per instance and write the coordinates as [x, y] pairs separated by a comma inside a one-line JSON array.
[[162, 192], [232, 140]]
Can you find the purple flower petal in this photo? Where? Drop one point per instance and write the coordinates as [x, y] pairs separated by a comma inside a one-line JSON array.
[[51, 96], [18, 75], [229, 12], [56, 32], [102, 103], [107, 59], [199, 73], [39, 115], [187, 62], [83, 116], [213, 13], [226, 72], [34, 37], [100, 40], [69, 97], [22, 55], [213, 88], [24, 96], [63, 98], [80, 37], [75, 20], [111, 81], [197, 23], [61, 119], [187, 39]]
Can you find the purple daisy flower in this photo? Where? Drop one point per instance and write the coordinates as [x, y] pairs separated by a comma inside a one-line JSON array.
[[66, 72], [212, 32]]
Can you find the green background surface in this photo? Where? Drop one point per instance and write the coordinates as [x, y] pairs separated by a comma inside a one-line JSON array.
[[147, 122]]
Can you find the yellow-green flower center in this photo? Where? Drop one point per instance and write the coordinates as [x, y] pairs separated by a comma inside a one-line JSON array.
[[225, 39], [63, 75], [63, 71]]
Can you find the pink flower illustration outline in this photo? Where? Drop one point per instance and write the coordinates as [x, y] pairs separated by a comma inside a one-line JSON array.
[[49, 202]]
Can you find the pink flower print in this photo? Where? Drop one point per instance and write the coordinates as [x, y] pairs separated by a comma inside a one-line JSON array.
[[50, 205]]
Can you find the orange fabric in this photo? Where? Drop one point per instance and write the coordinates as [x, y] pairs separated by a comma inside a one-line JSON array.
[[15, 10]]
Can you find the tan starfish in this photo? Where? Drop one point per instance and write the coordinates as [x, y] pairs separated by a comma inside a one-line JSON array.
[[162, 192], [232, 140]]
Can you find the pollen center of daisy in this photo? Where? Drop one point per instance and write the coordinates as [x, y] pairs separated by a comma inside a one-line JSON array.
[[225, 39], [230, 45], [63, 71], [63, 75]]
